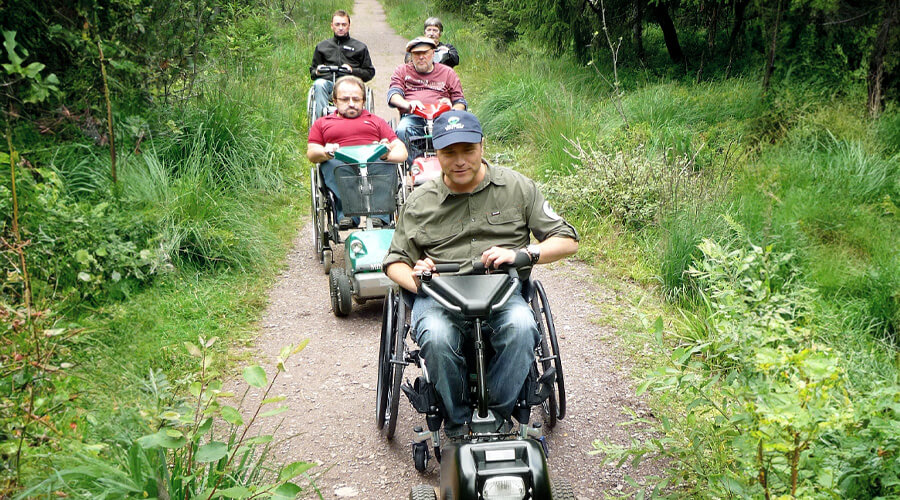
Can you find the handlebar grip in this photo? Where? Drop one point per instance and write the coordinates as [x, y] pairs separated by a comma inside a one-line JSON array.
[[446, 268]]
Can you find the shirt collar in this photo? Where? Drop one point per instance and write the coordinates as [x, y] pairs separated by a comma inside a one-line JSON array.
[[491, 175]]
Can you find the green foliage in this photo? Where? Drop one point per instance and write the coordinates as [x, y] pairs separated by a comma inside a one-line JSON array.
[[39, 88], [761, 391], [635, 188], [198, 446]]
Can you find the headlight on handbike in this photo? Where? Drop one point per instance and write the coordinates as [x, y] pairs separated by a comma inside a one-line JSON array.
[[504, 488]]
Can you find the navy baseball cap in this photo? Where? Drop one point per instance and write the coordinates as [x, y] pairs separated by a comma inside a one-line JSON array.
[[456, 126]]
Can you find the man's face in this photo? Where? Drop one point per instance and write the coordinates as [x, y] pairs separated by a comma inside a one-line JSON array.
[[340, 25], [349, 100], [433, 32], [461, 165], [422, 58]]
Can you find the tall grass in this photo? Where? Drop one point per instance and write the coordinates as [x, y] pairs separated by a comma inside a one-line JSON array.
[[800, 168]]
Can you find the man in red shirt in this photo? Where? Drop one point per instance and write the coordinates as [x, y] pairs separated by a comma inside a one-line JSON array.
[[418, 83], [350, 125]]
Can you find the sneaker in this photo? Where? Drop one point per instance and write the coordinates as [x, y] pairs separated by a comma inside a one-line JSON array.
[[376, 223], [345, 223]]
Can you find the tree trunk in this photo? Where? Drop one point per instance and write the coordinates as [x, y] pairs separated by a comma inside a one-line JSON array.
[[740, 10], [711, 28], [637, 28], [770, 63], [876, 60], [670, 35]]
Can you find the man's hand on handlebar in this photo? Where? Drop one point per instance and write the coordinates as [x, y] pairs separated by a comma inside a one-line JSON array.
[[413, 105], [331, 147], [444, 100], [494, 257], [345, 68]]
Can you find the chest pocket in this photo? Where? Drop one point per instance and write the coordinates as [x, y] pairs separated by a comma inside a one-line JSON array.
[[507, 226], [436, 235]]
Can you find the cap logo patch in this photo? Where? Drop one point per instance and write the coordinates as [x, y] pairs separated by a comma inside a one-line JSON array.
[[453, 124]]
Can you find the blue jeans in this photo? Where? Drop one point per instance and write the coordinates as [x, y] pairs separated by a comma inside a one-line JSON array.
[[327, 169], [410, 126], [441, 334], [322, 88]]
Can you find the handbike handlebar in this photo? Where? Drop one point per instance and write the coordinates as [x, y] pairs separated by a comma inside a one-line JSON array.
[[432, 111], [468, 294], [325, 69]]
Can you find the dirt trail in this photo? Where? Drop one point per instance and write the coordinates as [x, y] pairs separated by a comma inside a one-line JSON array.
[[330, 386]]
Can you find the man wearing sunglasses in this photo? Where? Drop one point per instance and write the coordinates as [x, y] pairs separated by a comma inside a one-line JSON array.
[[351, 125]]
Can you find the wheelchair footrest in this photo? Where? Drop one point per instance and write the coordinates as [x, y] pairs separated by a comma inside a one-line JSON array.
[[539, 390], [421, 395]]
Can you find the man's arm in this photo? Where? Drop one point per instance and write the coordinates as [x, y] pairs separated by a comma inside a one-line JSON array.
[[551, 249], [402, 274], [366, 71], [398, 101], [455, 89], [318, 153], [318, 58], [451, 56], [397, 153]]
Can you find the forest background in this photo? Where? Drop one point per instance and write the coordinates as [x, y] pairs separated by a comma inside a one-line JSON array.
[[739, 159]]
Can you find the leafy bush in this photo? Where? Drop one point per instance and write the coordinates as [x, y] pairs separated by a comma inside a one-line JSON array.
[[635, 188], [761, 390], [199, 446]]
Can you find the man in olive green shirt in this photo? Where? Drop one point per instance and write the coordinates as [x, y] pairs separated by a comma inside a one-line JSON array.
[[474, 211]]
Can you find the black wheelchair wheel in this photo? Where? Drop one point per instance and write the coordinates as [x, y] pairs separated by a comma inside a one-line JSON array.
[[370, 100], [422, 492], [541, 364], [398, 355], [311, 110], [550, 329], [420, 456], [317, 226], [340, 291], [384, 359]]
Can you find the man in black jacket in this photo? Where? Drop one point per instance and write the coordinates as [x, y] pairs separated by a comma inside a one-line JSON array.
[[341, 50], [444, 53]]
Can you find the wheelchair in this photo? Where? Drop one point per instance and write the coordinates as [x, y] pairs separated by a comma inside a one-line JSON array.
[[314, 112], [362, 194], [425, 166], [491, 458]]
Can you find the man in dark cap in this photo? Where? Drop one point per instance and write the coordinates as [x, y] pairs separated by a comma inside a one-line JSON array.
[[473, 212], [418, 83], [340, 50]]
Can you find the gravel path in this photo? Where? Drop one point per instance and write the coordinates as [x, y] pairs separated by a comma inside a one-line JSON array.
[[330, 386]]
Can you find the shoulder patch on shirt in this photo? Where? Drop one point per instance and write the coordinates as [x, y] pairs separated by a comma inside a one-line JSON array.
[[549, 212]]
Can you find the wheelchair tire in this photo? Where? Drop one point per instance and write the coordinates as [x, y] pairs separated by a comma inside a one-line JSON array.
[[560, 489], [311, 110], [422, 492], [554, 346], [420, 456], [370, 100], [340, 291], [384, 359], [317, 227], [398, 355], [556, 404]]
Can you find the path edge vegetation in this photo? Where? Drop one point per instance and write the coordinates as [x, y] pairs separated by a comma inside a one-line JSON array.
[[747, 213], [131, 272]]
